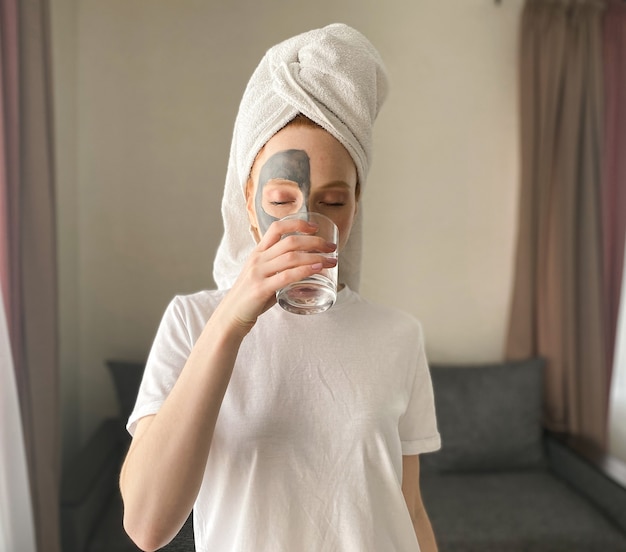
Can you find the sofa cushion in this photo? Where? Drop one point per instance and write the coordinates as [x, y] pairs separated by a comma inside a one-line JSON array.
[[126, 379], [529, 511], [489, 417]]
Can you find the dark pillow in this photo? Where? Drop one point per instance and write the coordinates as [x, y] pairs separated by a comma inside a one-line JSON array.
[[126, 379], [489, 417]]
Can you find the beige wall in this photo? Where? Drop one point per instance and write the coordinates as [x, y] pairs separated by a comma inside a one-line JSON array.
[[64, 48], [146, 94]]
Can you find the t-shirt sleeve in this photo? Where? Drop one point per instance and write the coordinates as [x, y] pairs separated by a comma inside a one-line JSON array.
[[168, 355], [418, 425]]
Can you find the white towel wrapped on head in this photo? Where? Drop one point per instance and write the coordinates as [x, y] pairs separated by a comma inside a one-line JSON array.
[[336, 78]]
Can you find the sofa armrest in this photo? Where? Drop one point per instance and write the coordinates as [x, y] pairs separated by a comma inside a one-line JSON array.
[[88, 482], [598, 476]]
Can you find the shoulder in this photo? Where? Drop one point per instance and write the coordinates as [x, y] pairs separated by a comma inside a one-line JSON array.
[[194, 309], [199, 300], [384, 316]]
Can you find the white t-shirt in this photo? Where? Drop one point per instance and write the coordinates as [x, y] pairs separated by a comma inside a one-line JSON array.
[[307, 450]]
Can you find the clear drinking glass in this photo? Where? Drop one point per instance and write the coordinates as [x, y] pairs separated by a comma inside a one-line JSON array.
[[318, 292]]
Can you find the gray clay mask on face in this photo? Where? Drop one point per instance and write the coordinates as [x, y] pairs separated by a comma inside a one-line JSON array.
[[293, 168]]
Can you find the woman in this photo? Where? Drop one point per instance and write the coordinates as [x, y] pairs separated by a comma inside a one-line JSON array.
[[287, 432]]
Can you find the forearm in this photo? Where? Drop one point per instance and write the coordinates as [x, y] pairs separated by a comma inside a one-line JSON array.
[[424, 531], [163, 470], [413, 497]]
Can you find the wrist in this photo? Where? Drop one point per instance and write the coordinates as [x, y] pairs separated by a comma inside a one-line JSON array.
[[226, 323]]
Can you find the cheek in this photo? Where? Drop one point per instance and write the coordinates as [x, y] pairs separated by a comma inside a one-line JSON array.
[[345, 227]]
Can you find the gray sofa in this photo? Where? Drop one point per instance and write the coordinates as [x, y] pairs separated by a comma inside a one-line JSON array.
[[500, 482], [91, 506]]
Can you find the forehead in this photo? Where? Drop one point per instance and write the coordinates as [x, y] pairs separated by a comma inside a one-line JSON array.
[[329, 160], [292, 164]]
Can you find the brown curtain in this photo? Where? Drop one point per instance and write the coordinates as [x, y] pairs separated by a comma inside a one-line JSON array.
[[27, 256], [614, 183], [558, 307]]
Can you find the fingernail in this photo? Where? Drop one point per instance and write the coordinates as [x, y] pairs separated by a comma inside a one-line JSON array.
[[317, 266], [332, 246]]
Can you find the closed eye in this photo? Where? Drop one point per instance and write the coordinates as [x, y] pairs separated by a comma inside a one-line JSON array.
[[332, 198]]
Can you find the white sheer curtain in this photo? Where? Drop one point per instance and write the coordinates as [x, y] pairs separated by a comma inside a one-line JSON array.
[[16, 517], [617, 410]]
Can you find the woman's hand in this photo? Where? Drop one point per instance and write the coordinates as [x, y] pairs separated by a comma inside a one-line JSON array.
[[274, 263]]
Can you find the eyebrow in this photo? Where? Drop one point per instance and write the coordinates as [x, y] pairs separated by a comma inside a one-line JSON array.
[[335, 184], [277, 182]]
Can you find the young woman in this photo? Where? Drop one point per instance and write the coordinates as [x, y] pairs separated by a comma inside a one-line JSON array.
[[285, 432]]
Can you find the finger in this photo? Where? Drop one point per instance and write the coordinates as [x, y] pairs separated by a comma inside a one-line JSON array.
[[291, 275], [263, 280], [313, 262], [266, 264], [279, 228], [299, 242]]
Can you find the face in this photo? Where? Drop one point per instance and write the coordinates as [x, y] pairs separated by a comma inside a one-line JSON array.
[[300, 169]]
